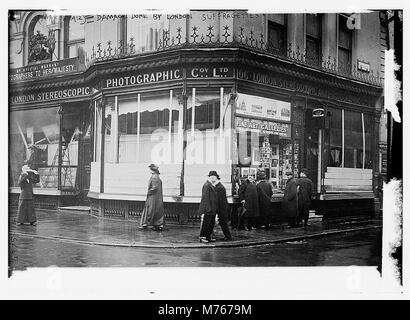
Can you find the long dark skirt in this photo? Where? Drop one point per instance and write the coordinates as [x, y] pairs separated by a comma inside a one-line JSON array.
[[26, 213]]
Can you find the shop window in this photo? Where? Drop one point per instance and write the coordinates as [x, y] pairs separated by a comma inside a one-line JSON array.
[[368, 129], [75, 38], [34, 136], [313, 38], [138, 128], [41, 39], [207, 110], [97, 131], [148, 33], [353, 137], [270, 153], [70, 135], [344, 46], [334, 118], [311, 155], [108, 126], [277, 36]]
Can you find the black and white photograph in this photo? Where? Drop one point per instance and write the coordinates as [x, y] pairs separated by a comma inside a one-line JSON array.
[[205, 139]]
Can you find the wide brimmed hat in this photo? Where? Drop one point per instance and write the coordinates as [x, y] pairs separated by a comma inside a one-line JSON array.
[[213, 173], [153, 166]]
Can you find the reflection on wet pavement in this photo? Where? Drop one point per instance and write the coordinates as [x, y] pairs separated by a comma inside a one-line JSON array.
[[360, 249], [83, 227]]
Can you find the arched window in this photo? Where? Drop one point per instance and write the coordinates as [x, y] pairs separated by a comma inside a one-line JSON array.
[[41, 40], [74, 36]]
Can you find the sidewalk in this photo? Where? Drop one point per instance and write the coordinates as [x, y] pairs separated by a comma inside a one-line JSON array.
[[87, 229]]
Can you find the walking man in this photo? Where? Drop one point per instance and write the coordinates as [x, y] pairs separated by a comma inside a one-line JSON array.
[[305, 189], [207, 208], [222, 209]]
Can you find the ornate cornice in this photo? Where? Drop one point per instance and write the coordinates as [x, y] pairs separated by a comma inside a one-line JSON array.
[[239, 56]]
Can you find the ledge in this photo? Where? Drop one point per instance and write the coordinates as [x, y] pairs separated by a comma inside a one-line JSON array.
[[45, 192], [347, 195], [175, 199]]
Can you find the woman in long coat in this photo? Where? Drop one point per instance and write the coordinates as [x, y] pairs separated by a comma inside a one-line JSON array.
[[290, 202], [153, 213], [264, 197], [248, 195], [26, 212]]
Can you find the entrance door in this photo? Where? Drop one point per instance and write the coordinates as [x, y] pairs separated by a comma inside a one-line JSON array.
[[85, 157], [311, 152]]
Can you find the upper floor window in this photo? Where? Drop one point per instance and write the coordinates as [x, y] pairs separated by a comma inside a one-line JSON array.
[[41, 40], [74, 37], [344, 45], [277, 33], [313, 38]]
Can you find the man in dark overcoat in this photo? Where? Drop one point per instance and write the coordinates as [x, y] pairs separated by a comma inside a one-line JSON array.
[[222, 209], [264, 197], [305, 189], [248, 195], [290, 201], [207, 207]]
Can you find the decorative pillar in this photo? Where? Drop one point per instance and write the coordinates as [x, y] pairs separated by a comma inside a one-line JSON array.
[[60, 146]]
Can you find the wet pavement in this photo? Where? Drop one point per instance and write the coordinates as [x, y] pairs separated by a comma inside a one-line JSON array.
[[86, 229], [80, 240], [359, 249]]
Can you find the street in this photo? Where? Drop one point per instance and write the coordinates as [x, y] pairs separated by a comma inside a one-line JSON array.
[[362, 248]]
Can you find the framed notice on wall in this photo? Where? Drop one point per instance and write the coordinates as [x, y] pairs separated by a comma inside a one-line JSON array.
[[271, 109]]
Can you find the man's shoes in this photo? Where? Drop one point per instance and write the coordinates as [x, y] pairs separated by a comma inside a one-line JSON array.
[[227, 239], [144, 227], [33, 223], [203, 240], [212, 240]]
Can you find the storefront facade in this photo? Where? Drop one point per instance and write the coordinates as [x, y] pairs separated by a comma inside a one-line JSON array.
[[229, 107]]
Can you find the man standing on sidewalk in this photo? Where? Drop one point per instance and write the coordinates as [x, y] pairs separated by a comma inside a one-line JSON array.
[[305, 188], [264, 197], [222, 209], [207, 207]]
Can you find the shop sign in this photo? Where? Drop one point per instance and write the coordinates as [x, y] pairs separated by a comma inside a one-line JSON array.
[[267, 127], [138, 78], [271, 79], [248, 105], [210, 72], [318, 112], [44, 70], [51, 95], [363, 66]]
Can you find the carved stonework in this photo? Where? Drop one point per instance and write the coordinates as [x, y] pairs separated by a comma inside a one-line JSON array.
[[41, 47]]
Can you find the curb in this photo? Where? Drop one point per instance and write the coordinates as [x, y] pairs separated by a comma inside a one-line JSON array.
[[196, 246]]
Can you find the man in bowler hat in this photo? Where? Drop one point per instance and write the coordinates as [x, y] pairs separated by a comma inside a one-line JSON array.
[[207, 207]]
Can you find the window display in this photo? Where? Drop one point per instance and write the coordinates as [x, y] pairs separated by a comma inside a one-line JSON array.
[[266, 151], [34, 136]]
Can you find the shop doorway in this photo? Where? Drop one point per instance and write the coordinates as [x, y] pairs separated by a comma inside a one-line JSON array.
[[311, 150], [76, 150]]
